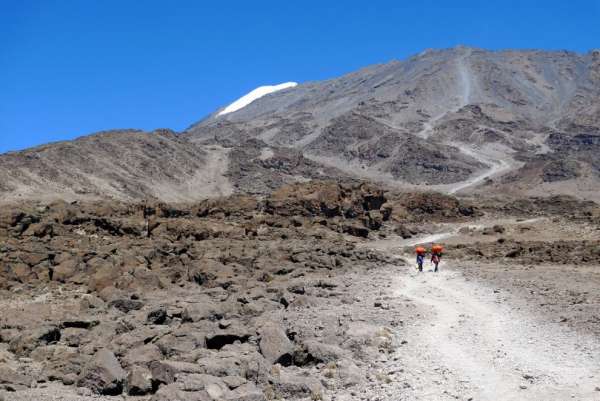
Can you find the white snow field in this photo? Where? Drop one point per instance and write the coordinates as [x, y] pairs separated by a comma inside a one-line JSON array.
[[255, 94]]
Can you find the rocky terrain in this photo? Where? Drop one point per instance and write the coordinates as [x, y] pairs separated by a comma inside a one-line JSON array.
[[288, 296], [267, 253], [201, 301]]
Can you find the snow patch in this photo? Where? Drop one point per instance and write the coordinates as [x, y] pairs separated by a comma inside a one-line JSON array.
[[255, 94]]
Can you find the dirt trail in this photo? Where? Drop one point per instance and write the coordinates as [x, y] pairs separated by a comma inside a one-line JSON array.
[[470, 345], [496, 167]]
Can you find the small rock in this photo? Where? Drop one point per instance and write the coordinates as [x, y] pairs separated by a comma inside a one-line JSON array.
[[69, 379], [126, 305], [139, 381], [31, 339], [246, 392], [103, 374], [234, 381], [275, 346], [224, 324], [157, 316], [528, 377], [162, 372]]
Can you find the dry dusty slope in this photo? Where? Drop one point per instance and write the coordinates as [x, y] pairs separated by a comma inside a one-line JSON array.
[[250, 298]]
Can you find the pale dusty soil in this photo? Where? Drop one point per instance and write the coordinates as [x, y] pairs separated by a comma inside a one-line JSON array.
[[473, 344], [495, 332], [209, 182]]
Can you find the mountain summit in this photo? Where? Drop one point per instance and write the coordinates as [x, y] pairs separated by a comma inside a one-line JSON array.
[[455, 120], [254, 95]]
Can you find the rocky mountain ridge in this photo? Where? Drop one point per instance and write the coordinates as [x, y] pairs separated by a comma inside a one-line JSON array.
[[454, 120], [440, 117]]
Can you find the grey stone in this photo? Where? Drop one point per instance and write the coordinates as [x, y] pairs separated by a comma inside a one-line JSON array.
[[275, 345], [31, 339], [103, 374], [139, 381]]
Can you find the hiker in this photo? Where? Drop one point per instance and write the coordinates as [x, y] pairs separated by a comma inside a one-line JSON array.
[[436, 256], [435, 259], [420, 257]]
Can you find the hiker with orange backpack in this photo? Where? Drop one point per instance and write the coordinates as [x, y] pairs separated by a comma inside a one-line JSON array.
[[436, 256], [420, 257]]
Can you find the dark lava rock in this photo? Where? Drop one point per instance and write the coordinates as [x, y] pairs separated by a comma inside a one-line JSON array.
[[126, 305]]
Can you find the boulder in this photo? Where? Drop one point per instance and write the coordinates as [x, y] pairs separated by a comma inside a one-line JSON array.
[[205, 309], [166, 372], [131, 336], [139, 381], [75, 337], [181, 343], [246, 392], [13, 380], [142, 355], [294, 384], [31, 339], [214, 386], [232, 334], [157, 316], [126, 305], [103, 374], [275, 345], [355, 230], [349, 373], [60, 362], [105, 274], [173, 392], [89, 301], [325, 352], [65, 270], [373, 220], [236, 360], [234, 381], [162, 373]]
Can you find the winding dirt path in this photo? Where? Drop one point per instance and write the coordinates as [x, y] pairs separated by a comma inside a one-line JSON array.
[[471, 345], [496, 167]]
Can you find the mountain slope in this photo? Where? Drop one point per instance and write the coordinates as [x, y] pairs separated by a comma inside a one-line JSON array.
[[459, 120], [442, 117], [160, 165], [124, 164]]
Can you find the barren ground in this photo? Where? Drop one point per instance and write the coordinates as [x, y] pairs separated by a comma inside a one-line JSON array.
[[480, 329]]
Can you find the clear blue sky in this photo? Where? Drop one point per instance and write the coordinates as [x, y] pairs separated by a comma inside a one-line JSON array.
[[69, 68]]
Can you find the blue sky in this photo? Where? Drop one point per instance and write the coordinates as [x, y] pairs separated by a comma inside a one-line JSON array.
[[68, 68]]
